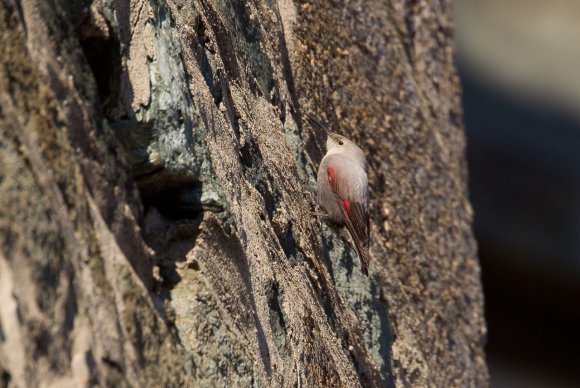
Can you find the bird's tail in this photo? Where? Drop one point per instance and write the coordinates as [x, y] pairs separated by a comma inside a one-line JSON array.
[[361, 249], [363, 254]]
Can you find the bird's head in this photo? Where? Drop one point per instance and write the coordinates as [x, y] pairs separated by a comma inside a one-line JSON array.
[[338, 144]]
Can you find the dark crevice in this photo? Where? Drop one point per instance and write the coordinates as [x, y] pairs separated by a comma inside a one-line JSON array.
[[223, 40], [251, 155], [199, 47], [288, 242], [277, 321], [92, 368], [249, 28], [5, 378], [42, 339], [113, 364], [139, 342], [115, 376], [254, 173], [152, 172], [176, 196], [103, 55], [387, 336], [271, 200], [70, 304], [176, 202]]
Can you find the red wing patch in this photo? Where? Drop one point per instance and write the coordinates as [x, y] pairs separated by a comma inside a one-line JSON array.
[[345, 205], [331, 173]]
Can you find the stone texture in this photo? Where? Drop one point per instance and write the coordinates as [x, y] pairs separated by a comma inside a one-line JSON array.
[[154, 218]]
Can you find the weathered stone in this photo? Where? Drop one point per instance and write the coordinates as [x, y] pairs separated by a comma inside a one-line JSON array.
[[155, 226]]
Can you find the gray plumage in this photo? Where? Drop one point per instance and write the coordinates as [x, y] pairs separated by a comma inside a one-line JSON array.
[[343, 191]]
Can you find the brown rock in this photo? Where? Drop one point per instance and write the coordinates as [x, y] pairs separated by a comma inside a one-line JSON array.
[[167, 138]]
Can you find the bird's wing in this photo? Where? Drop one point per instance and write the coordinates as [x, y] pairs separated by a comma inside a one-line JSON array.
[[353, 200]]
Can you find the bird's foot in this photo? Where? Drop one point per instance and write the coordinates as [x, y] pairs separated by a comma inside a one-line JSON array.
[[311, 196]]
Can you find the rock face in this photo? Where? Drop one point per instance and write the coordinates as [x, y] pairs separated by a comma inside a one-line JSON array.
[[155, 223]]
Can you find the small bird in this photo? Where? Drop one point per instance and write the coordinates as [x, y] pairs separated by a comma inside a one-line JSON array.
[[343, 190]]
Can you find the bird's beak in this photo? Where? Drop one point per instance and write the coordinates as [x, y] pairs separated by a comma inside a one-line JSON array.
[[317, 124]]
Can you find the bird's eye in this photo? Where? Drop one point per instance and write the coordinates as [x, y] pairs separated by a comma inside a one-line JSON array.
[[340, 142]]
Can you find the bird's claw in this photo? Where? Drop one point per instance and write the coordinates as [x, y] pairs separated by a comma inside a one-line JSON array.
[[319, 215], [309, 194]]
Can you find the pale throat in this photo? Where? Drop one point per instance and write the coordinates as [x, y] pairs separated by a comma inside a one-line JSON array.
[[333, 151], [338, 151]]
